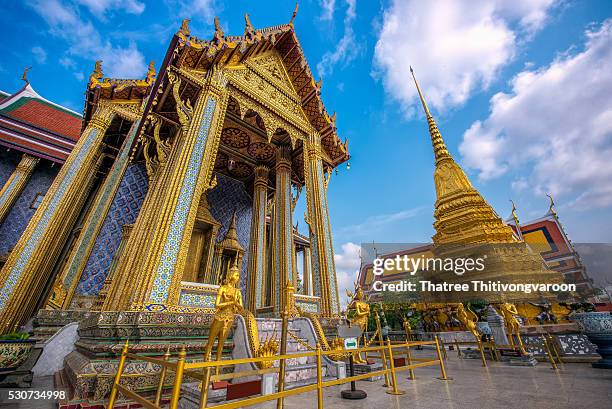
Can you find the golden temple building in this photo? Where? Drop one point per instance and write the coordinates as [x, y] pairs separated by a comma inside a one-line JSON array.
[[177, 177]]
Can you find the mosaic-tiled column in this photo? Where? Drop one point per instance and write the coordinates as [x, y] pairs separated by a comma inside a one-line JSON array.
[[257, 247], [187, 175], [15, 184], [282, 265], [70, 275], [323, 266], [29, 265], [306, 270]]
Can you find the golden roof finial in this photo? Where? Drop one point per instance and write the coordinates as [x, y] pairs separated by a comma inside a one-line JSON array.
[[185, 27], [151, 72], [551, 207], [24, 76], [440, 150], [96, 75], [248, 28], [514, 216], [218, 30], [295, 11]]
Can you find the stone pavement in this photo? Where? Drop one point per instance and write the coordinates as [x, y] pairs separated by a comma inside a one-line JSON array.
[[575, 386]]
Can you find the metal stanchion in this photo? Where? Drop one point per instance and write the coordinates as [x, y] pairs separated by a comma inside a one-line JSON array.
[[409, 360], [458, 350], [205, 383], [482, 356], [381, 342], [281, 366], [319, 379], [178, 380], [353, 393], [162, 379], [113, 395], [442, 369], [550, 357], [394, 390]]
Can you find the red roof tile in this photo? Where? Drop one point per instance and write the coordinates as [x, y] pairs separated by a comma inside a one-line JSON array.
[[46, 116]]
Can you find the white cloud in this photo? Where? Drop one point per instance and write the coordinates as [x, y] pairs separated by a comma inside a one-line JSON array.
[[85, 41], [555, 125], [327, 7], [101, 7], [347, 270], [456, 47], [373, 224], [39, 54], [346, 49]]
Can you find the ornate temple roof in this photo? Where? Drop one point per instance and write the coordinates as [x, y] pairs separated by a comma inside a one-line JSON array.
[[33, 124], [197, 54], [547, 236]]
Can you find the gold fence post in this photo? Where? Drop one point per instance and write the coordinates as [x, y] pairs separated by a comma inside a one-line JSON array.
[[409, 359], [319, 379], [442, 369], [443, 348], [162, 378], [280, 402], [113, 395], [381, 343], [554, 347], [178, 380], [204, 384], [458, 350], [550, 357], [482, 357], [393, 391]]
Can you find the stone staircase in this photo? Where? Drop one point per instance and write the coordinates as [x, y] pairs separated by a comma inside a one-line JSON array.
[[298, 371]]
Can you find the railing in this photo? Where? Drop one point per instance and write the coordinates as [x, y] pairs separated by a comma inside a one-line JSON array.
[[202, 371]]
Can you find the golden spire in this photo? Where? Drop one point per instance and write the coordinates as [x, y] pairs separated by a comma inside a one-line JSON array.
[[24, 77], [440, 150], [514, 215]]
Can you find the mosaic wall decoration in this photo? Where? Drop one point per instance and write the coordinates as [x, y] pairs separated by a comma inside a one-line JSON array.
[[8, 163], [172, 245], [228, 196], [123, 210], [198, 300], [21, 213], [87, 143]]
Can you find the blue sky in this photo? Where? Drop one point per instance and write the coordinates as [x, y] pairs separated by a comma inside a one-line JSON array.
[[520, 90]]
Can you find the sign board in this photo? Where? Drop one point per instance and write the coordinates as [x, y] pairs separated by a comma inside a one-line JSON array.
[[350, 343], [345, 331]]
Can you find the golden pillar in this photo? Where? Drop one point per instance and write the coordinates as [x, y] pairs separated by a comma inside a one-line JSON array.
[[257, 246], [68, 279], [282, 265], [183, 179], [15, 184], [323, 266], [28, 266]]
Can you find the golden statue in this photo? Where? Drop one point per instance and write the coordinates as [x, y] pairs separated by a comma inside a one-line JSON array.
[[469, 319], [513, 325], [407, 329], [362, 313], [228, 303]]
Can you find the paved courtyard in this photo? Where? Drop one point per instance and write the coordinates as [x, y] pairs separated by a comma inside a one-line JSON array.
[[573, 386]]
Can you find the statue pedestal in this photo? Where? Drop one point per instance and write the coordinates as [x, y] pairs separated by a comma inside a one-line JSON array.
[[497, 325]]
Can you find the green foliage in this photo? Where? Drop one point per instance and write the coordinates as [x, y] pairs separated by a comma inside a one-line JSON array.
[[391, 312], [15, 336]]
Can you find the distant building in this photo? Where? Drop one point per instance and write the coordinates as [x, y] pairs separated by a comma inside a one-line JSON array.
[[547, 236]]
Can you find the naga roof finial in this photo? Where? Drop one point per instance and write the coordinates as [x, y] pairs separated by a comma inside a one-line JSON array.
[[248, 28], [185, 27], [295, 11], [151, 72], [440, 150], [24, 76], [551, 207], [219, 34], [96, 75]]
